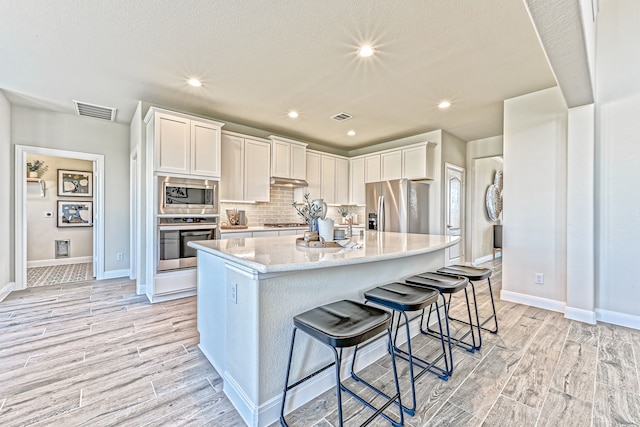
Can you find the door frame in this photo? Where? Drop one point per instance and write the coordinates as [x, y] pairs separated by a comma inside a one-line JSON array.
[[20, 246], [445, 214]]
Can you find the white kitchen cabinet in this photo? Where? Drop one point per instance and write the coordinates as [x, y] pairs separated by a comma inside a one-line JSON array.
[[266, 233], [356, 181], [287, 232], [342, 181], [236, 235], [391, 165], [314, 176], [372, 168], [328, 182], [245, 168], [183, 144], [288, 158], [418, 161]]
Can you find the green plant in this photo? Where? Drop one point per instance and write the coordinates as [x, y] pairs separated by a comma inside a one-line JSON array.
[[344, 211], [37, 166], [307, 210]]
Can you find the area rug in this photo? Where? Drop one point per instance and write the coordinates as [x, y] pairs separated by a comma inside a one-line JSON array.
[[57, 274]]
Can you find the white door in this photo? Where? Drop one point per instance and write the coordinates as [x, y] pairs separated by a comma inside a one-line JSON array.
[[454, 211]]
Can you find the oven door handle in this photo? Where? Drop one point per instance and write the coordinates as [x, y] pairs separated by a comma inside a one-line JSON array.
[[195, 233]]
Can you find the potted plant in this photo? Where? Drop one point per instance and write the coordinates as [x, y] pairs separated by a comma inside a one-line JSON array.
[[309, 212], [344, 213], [36, 168]]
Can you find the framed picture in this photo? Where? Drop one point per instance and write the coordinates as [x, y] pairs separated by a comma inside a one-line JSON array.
[[75, 183], [75, 213]]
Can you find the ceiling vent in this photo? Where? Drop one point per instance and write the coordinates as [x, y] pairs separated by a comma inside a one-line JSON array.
[[341, 117], [95, 111]]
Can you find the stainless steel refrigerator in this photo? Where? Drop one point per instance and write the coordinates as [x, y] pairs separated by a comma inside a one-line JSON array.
[[400, 205]]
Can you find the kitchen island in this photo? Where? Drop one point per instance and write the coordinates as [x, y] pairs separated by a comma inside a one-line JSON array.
[[250, 289]]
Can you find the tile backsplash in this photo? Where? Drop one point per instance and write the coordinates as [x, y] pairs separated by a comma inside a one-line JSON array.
[[279, 209]]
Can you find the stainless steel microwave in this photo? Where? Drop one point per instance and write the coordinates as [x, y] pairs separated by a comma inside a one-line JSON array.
[[185, 196]]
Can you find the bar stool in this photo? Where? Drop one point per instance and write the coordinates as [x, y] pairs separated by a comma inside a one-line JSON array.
[[474, 274], [339, 325], [402, 298], [447, 285]]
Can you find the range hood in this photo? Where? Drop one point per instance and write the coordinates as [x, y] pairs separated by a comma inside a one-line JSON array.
[[288, 182]]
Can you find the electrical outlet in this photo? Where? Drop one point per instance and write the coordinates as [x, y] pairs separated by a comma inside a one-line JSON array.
[[234, 293], [539, 278], [47, 214], [119, 256]]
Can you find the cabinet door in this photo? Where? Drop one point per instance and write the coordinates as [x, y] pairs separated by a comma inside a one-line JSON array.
[[356, 182], [280, 159], [314, 177], [172, 144], [240, 235], [298, 162], [287, 232], [256, 171], [342, 181], [205, 149], [231, 180], [391, 165], [372, 168], [268, 233], [415, 162], [328, 184]]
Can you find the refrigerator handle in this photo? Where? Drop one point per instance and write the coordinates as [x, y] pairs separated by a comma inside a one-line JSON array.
[[381, 218]]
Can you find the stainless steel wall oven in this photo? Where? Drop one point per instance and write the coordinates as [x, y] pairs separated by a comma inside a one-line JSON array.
[[175, 233]]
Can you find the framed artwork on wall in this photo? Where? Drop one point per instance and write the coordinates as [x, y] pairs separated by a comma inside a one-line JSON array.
[[75, 183], [75, 213]]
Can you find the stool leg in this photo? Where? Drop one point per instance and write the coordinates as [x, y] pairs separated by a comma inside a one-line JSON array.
[[338, 363], [493, 307], [286, 381]]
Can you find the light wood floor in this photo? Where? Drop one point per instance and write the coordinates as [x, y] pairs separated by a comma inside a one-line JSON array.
[[94, 353]]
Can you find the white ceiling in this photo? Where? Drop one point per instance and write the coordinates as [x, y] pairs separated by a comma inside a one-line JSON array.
[[260, 59]]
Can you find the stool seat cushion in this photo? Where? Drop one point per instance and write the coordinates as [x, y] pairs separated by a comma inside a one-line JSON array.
[[343, 323], [402, 297], [470, 272], [444, 283]]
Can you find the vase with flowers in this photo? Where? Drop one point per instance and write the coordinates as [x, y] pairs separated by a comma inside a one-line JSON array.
[[36, 169], [309, 212]]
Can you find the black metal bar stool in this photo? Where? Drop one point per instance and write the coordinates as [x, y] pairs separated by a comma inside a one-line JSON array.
[[475, 274], [338, 325], [447, 285], [403, 298]]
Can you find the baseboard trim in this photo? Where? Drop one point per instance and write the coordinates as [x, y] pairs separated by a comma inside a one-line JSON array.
[[545, 303], [6, 290], [115, 274], [486, 258], [59, 261], [617, 318], [580, 315], [170, 296]]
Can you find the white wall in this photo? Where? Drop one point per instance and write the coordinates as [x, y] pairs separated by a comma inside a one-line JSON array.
[[6, 209], [534, 222], [618, 157], [42, 232], [484, 171], [40, 128]]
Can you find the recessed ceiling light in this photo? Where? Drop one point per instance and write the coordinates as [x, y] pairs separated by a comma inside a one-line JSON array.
[[294, 114], [366, 51], [351, 133], [444, 104], [195, 82]]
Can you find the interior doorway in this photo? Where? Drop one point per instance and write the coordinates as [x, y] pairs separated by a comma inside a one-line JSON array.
[[482, 227], [76, 210]]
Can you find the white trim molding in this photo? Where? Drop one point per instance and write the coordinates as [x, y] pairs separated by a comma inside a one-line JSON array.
[[59, 261], [116, 274], [545, 303], [617, 318], [6, 290], [20, 171], [580, 315]]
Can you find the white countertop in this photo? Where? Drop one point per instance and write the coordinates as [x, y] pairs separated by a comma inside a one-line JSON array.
[[279, 254]]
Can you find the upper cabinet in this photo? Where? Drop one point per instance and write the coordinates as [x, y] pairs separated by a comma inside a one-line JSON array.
[[183, 144], [245, 168], [418, 161], [372, 171], [328, 178], [391, 165], [356, 181], [288, 158]]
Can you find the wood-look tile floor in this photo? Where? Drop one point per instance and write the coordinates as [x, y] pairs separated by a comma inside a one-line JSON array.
[[94, 353]]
